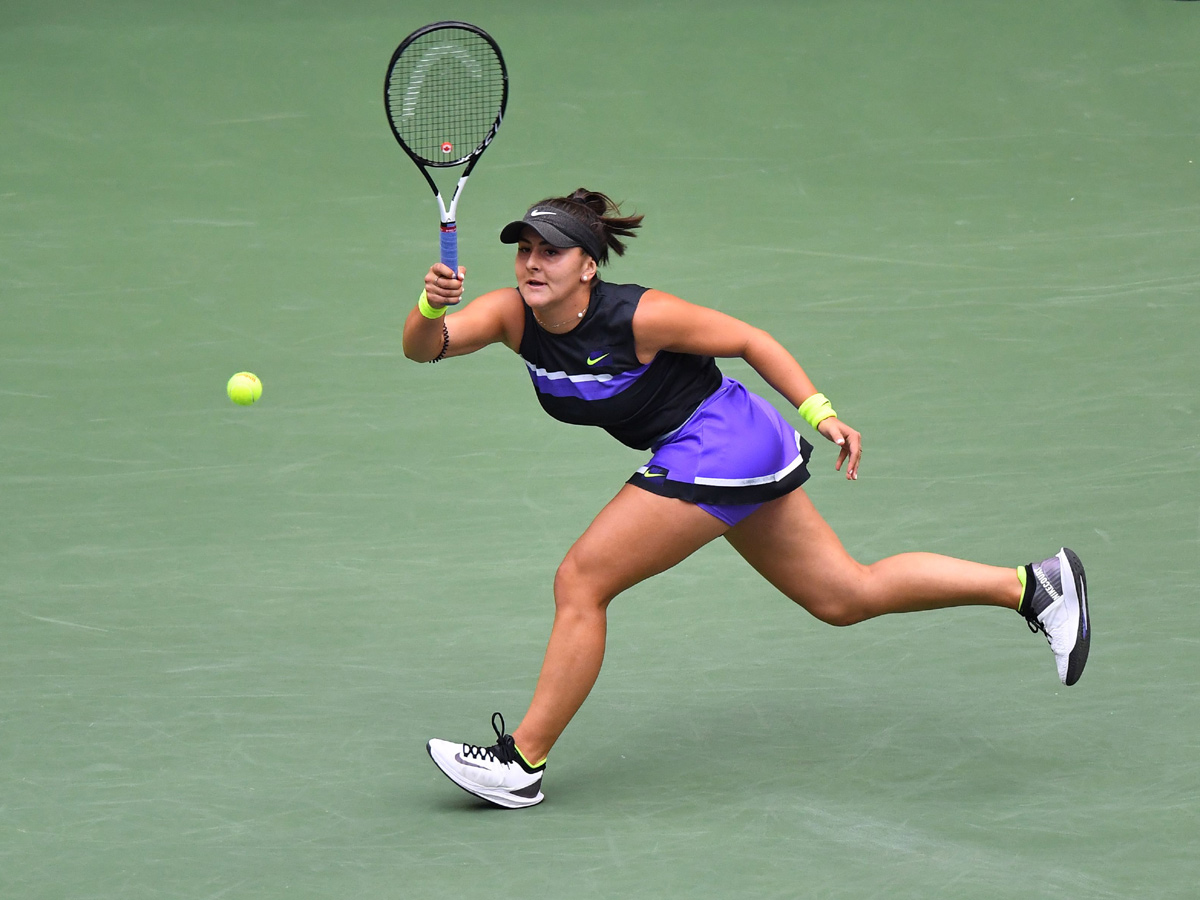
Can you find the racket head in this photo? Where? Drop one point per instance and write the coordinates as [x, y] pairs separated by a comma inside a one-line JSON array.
[[445, 93]]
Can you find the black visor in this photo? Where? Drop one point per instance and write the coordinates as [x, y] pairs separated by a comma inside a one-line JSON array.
[[557, 228]]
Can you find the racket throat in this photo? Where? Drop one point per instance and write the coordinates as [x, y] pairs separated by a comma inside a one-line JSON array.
[[450, 213]]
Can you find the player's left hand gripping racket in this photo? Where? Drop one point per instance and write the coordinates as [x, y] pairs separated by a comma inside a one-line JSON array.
[[445, 94]]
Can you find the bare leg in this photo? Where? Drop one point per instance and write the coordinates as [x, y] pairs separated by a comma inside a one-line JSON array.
[[792, 546], [638, 534]]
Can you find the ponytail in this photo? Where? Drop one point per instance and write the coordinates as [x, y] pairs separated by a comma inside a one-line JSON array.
[[602, 215]]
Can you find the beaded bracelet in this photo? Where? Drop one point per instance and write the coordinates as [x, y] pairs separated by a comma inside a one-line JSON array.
[[445, 343]]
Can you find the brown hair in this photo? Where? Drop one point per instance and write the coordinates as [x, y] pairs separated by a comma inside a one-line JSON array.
[[601, 214]]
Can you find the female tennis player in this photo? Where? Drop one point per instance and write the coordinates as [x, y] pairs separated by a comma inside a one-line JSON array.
[[723, 462]]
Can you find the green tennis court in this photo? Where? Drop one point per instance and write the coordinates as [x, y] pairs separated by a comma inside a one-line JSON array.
[[226, 633]]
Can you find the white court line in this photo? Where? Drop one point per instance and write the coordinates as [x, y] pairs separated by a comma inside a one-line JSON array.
[[62, 622]]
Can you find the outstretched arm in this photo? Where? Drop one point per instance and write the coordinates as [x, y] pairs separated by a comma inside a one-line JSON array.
[[495, 317], [665, 322]]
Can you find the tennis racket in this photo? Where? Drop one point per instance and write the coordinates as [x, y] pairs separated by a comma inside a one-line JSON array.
[[445, 93]]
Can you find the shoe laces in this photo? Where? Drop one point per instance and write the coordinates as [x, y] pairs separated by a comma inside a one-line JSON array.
[[1031, 616], [503, 751], [1035, 625]]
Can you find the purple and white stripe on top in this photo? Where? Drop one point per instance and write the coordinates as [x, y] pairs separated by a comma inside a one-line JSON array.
[[585, 387]]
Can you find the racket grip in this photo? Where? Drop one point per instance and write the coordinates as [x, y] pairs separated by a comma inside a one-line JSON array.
[[450, 247]]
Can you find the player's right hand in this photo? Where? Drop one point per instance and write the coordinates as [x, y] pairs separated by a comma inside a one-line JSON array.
[[442, 288]]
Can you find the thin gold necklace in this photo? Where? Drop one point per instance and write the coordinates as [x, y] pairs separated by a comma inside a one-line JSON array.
[[564, 321]]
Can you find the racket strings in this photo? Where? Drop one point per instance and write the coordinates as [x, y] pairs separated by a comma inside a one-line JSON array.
[[445, 95]]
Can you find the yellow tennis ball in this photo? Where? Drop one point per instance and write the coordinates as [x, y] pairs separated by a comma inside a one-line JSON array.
[[244, 388]]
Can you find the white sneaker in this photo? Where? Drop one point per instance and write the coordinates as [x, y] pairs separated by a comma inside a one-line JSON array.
[[1055, 603], [497, 774]]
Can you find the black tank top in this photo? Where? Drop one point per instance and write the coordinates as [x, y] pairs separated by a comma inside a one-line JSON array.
[[591, 374]]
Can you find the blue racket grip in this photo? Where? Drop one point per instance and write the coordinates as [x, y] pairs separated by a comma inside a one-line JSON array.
[[450, 247]]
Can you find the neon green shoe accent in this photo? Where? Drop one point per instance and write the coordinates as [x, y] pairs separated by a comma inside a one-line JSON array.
[[527, 762], [1021, 578]]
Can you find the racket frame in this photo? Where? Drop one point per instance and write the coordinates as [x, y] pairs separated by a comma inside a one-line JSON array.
[[447, 214]]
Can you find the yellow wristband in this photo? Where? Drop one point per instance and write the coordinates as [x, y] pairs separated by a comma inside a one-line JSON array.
[[816, 409], [428, 311]]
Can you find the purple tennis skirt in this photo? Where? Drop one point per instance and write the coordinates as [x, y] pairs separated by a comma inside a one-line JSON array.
[[734, 454]]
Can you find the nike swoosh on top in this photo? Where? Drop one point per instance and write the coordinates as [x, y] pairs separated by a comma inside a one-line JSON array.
[[541, 212], [655, 475], [592, 361]]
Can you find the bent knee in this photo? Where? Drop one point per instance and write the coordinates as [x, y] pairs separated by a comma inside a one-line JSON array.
[[575, 588], [840, 607], [835, 614]]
